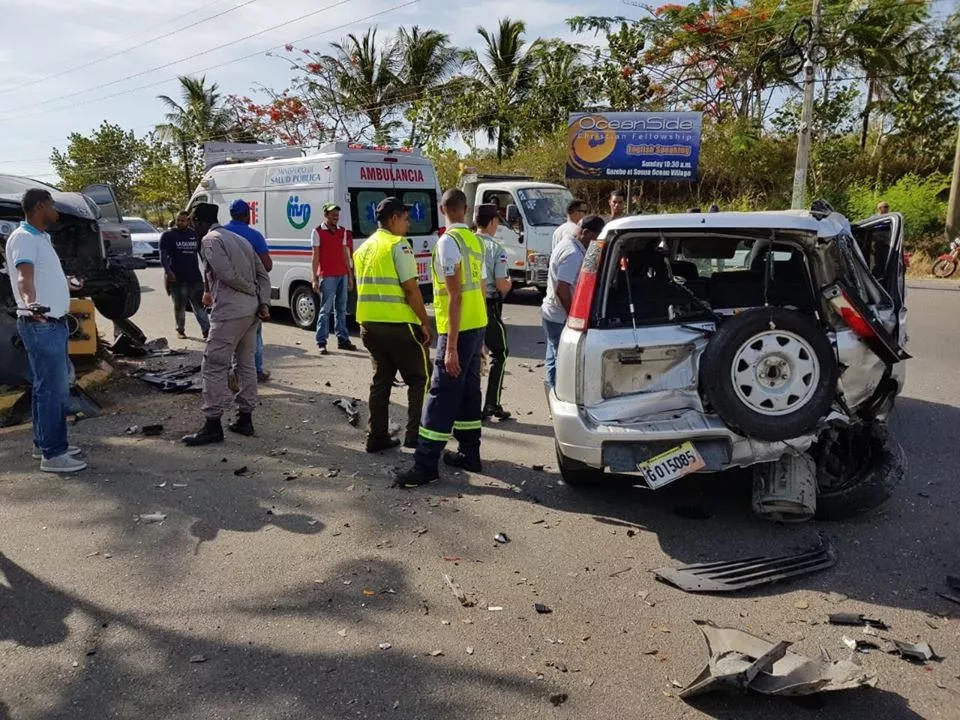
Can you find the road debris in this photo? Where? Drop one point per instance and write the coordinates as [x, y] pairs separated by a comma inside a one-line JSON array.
[[542, 609], [152, 518], [861, 646], [436, 653], [728, 576], [915, 652], [342, 633], [501, 538], [494, 608], [350, 408], [558, 699], [741, 661], [179, 486], [132, 430], [161, 485], [618, 573], [951, 598], [538, 468], [277, 452], [241, 471], [452, 558], [385, 646], [458, 592], [469, 650], [801, 605], [178, 380], [153, 430], [855, 619], [198, 658]]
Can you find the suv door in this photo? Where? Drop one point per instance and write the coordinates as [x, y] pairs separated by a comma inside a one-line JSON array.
[[881, 241]]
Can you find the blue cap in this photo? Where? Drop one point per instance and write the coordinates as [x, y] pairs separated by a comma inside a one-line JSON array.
[[239, 207]]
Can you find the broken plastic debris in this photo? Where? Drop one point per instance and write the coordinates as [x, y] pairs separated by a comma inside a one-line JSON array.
[[198, 658], [558, 699], [741, 661], [727, 576], [132, 430], [161, 485], [856, 619], [277, 452], [179, 486], [436, 653], [915, 652], [542, 609], [350, 408], [342, 633], [369, 593], [152, 430], [469, 650], [152, 518], [240, 471], [385, 646], [501, 538], [494, 608]]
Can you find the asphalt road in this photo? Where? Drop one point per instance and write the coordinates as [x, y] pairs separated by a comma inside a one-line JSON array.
[[281, 583]]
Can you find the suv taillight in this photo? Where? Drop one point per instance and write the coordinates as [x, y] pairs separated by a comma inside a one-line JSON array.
[[580, 308], [846, 309]]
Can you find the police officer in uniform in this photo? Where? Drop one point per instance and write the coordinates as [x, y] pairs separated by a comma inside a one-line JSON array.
[[395, 327], [455, 397], [497, 288]]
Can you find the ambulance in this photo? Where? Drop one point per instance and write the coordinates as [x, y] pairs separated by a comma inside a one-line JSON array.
[[287, 194]]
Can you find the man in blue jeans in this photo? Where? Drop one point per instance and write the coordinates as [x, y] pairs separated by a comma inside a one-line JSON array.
[[332, 277], [239, 224], [565, 262], [42, 294]]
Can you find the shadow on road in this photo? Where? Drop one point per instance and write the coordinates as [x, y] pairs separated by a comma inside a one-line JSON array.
[[32, 613]]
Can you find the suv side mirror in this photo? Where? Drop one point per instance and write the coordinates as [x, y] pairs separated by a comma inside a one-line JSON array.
[[514, 219]]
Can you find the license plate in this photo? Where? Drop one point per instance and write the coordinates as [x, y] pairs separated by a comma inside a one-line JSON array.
[[671, 465], [423, 268]]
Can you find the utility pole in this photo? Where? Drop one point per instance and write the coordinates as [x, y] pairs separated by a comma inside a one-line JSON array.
[[806, 122], [953, 209]]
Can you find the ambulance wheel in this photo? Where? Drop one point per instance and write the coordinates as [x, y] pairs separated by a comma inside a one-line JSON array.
[[303, 306]]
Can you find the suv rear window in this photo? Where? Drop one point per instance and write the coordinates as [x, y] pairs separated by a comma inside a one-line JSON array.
[[363, 210]]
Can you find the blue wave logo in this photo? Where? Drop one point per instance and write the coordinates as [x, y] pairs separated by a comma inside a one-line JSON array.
[[298, 214]]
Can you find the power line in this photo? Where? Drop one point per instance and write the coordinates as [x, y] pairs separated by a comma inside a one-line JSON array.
[[184, 59], [204, 6], [75, 68]]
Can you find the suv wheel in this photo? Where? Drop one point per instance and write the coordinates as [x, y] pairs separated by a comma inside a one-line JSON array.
[[123, 301], [770, 373], [576, 474], [858, 469], [303, 307]]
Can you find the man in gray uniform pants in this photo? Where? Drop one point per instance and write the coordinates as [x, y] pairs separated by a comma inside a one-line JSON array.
[[238, 286], [498, 287]]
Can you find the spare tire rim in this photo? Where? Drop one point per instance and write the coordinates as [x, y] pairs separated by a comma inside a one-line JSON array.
[[775, 373]]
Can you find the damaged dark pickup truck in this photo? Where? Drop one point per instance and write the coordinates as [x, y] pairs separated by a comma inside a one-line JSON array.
[[91, 247]]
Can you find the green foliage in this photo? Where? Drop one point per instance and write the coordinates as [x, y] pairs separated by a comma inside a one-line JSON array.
[[159, 188], [108, 155], [918, 199]]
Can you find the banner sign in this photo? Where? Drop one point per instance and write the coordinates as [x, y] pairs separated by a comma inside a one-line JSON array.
[[633, 146]]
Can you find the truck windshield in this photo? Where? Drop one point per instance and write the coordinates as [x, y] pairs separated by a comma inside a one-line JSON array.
[[545, 207]]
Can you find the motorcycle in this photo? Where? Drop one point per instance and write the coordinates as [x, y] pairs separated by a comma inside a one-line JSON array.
[[946, 264]]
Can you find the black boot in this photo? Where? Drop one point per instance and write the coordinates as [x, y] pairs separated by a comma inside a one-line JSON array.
[[464, 462], [497, 412], [243, 425], [211, 432], [375, 445], [415, 477]]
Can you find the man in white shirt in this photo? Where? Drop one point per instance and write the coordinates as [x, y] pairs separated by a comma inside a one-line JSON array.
[[576, 210], [565, 265], [42, 294]]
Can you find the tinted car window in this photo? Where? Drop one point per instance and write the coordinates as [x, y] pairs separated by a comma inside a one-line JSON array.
[[363, 210], [139, 226]]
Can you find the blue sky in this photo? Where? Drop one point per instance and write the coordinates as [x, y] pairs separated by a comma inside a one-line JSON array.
[[47, 93]]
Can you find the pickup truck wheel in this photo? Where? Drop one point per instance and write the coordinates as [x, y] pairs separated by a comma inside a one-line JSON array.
[[770, 373], [858, 469], [576, 474], [303, 307], [121, 302]]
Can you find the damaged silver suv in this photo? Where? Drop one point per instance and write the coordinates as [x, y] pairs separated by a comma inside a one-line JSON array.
[[770, 340]]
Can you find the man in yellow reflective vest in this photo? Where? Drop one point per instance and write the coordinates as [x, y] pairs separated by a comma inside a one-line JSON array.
[[394, 324], [455, 397]]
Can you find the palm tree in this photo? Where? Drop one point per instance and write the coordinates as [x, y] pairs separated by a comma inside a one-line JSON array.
[[426, 61], [504, 75], [198, 117], [367, 80]]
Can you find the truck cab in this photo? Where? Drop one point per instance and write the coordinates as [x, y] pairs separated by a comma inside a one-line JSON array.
[[530, 212]]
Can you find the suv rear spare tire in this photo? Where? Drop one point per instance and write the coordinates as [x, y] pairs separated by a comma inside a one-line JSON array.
[[770, 373], [122, 301]]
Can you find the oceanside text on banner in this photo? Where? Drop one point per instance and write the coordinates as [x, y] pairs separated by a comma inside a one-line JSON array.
[[633, 146]]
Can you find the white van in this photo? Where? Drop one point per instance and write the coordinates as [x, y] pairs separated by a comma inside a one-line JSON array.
[[286, 197]]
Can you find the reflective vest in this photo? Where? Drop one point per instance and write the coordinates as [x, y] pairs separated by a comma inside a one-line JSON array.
[[473, 306], [379, 295]]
